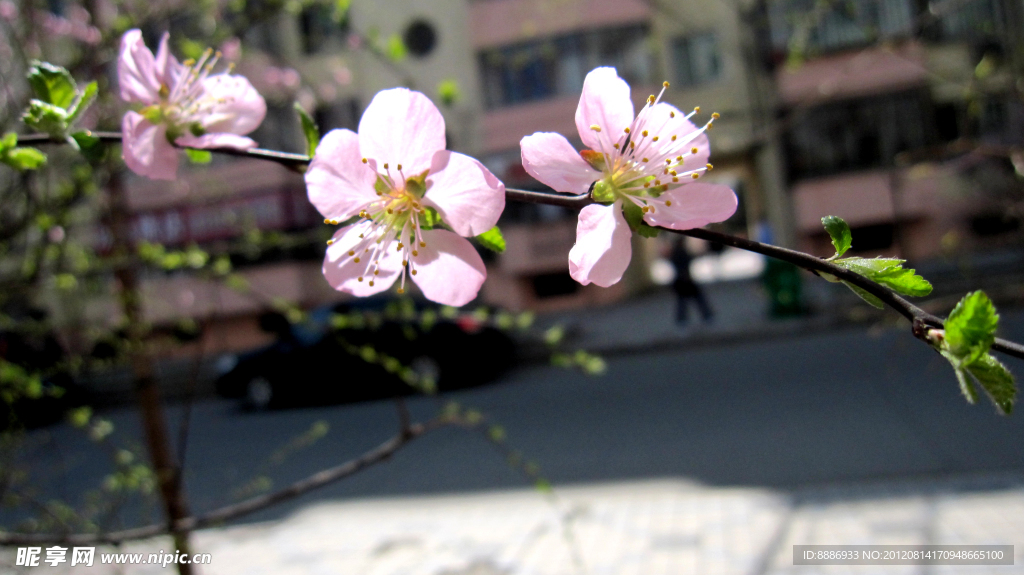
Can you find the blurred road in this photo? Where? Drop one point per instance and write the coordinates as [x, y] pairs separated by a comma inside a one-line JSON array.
[[859, 404]]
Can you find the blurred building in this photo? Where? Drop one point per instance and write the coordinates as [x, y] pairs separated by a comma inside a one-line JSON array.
[[900, 116], [859, 108]]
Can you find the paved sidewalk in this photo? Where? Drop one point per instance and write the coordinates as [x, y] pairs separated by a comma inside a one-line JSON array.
[[642, 528], [647, 322]]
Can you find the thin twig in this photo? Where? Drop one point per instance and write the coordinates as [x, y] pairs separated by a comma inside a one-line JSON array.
[[921, 320], [229, 512]]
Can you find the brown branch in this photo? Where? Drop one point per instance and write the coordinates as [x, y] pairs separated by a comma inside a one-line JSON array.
[[229, 512], [920, 319]]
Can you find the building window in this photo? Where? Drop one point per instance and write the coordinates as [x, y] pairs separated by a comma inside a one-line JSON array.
[[857, 134], [814, 27], [696, 59], [557, 66]]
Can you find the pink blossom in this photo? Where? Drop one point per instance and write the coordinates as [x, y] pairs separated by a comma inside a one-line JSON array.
[[405, 192], [181, 104], [648, 162]]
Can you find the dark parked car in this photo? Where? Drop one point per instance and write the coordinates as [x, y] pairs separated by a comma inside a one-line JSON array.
[[315, 363]]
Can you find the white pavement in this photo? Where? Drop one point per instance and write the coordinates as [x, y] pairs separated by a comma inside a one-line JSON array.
[[637, 528]]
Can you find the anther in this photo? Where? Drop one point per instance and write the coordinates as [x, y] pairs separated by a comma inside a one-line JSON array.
[[647, 184], [650, 99], [415, 253], [626, 130], [695, 176], [329, 242], [400, 246], [645, 209], [664, 84], [595, 128], [351, 252], [385, 165], [399, 167], [356, 260], [365, 160], [646, 160], [616, 146], [423, 244], [679, 159], [673, 172], [709, 167], [668, 202], [693, 150], [657, 182], [401, 291], [327, 221], [390, 211], [675, 179], [371, 283], [376, 272], [413, 272], [671, 114], [655, 139], [696, 109], [668, 161], [360, 278], [715, 116], [644, 133], [405, 263]]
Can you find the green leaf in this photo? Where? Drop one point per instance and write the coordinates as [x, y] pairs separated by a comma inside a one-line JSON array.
[[448, 92], [9, 141], [396, 49], [492, 240], [634, 215], [906, 282], [52, 84], [23, 158], [966, 387], [971, 327], [198, 156], [309, 130], [48, 118], [341, 8], [648, 231], [864, 295], [90, 146], [888, 272], [870, 266], [839, 231], [83, 102], [996, 380]]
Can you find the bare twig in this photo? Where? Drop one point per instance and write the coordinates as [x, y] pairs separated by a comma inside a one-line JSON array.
[[229, 512], [921, 320]]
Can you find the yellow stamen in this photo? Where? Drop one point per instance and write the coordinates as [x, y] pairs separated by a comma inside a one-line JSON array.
[[595, 128]]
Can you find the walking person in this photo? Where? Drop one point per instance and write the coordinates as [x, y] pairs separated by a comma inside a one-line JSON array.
[[685, 287]]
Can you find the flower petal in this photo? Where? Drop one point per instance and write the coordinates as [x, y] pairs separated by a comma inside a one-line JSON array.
[[551, 159], [217, 141], [449, 271], [693, 206], [466, 194], [337, 181], [136, 70], [605, 103], [602, 249], [343, 272], [401, 127], [166, 69], [665, 120], [146, 150], [234, 105]]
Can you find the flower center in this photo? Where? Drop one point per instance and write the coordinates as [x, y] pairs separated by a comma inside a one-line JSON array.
[[647, 159], [396, 216], [183, 106]]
